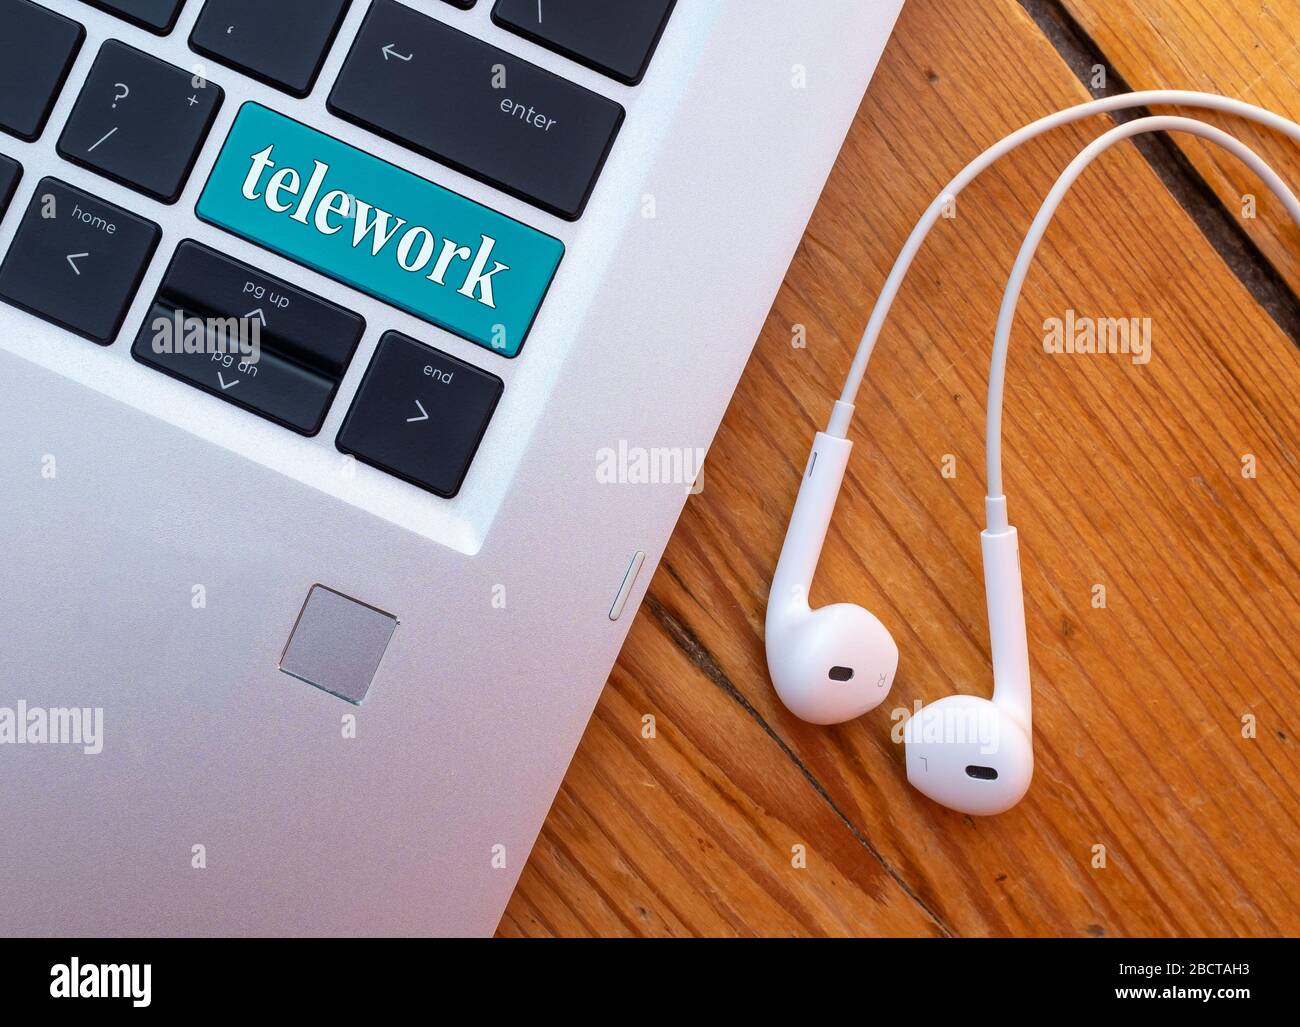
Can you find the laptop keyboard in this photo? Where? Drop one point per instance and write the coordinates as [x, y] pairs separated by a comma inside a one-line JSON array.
[[423, 82]]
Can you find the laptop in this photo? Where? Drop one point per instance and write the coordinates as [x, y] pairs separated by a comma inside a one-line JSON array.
[[356, 361]]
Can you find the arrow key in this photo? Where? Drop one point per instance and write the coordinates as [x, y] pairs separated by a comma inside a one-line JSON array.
[[420, 414], [77, 260], [292, 395], [296, 323], [224, 310]]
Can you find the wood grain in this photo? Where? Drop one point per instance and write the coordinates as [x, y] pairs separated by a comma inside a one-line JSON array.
[[1119, 475], [1247, 50]]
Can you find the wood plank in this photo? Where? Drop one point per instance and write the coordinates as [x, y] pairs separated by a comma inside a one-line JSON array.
[[691, 831], [1249, 51], [1119, 474]]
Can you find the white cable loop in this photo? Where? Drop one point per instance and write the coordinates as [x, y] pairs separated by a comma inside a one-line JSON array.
[[839, 421], [1025, 259]]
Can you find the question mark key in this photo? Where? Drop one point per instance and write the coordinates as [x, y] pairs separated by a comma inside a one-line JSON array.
[[139, 121]]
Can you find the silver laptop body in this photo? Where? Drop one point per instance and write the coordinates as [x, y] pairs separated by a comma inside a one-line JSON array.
[[160, 545]]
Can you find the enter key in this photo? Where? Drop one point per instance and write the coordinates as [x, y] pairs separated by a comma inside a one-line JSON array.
[[476, 108]]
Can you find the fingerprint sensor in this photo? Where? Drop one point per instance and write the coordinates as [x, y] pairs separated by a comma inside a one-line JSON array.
[[337, 644]]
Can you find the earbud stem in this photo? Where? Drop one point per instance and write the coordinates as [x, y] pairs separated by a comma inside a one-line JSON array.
[[810, 520], [1004, 592], [834, 663]]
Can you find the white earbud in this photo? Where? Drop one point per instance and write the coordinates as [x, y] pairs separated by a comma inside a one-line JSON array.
[[971, 754], [835, 663]]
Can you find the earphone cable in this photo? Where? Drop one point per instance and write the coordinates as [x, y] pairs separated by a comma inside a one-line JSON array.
[[841, 416], [1016, 282]]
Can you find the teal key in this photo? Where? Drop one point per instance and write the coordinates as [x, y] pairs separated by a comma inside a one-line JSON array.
[[444, 258]]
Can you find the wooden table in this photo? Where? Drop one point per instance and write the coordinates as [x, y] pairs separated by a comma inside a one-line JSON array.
[[1166, 798]]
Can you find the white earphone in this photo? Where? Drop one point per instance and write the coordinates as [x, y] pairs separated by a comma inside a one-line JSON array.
[[835, 663]]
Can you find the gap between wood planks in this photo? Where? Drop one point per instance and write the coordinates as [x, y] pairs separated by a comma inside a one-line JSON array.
[[1216, 223], [1268, 288], [699, 655]]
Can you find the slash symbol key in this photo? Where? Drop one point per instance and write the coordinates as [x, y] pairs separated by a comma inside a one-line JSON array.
[[103, 138], [139, 121]]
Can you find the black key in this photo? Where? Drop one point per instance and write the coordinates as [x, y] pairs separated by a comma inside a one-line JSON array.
[[227, 309], [273, 387], [298, 324], [282, 44], [140, 121], [615, 37], [464, 5], [37, 48], [77, 260], [476, 108], [158, 16], [10, 172], [420, 414]]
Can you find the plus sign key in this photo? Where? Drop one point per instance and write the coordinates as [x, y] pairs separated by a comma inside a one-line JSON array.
[[77, 260], [140, 121]]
